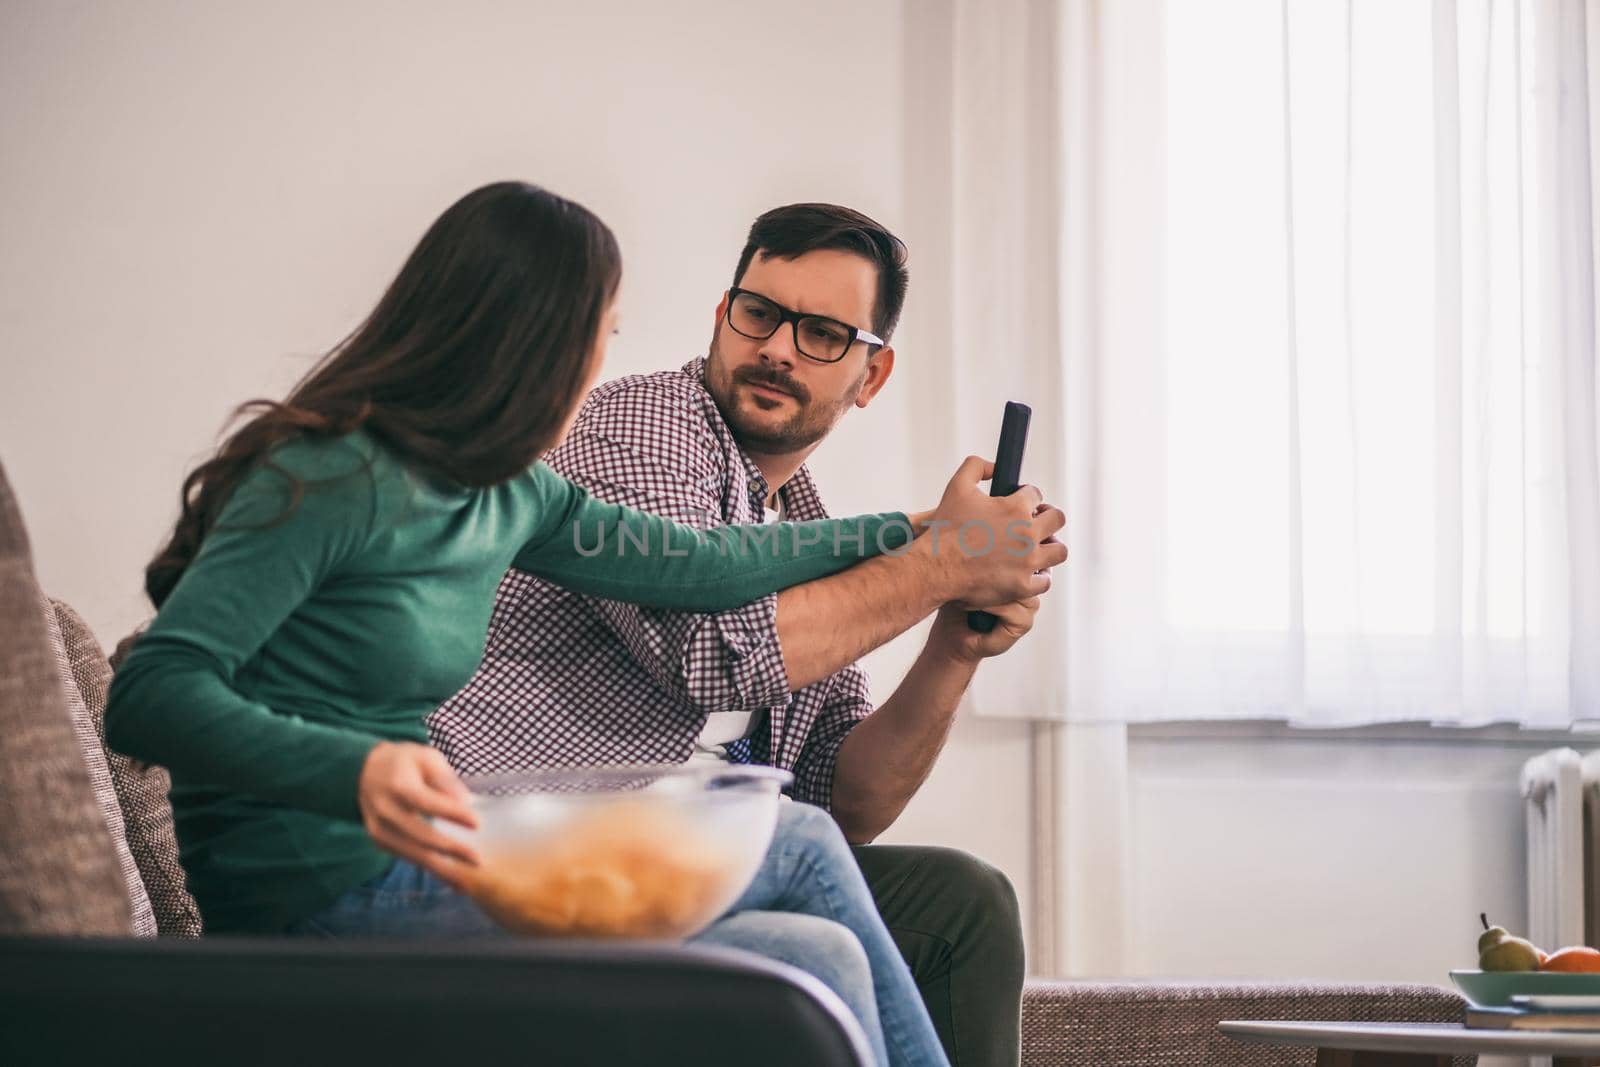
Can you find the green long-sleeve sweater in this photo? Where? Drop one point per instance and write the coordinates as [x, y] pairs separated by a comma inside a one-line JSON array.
[[301, 636]]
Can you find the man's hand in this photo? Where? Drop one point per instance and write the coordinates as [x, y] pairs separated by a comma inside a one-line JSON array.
[[953, 637]]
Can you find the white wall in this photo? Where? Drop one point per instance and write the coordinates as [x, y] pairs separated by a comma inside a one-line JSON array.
[[200, 196], [1349, 859]]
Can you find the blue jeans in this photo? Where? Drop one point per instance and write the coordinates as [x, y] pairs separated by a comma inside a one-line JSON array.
[[808, 906]]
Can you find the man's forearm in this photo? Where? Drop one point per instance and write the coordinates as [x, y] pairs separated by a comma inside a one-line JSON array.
[[826, 625], [885, 759]]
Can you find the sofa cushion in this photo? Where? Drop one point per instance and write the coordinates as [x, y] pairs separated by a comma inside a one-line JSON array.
[[88, 725], [142, 789], [58, 867]]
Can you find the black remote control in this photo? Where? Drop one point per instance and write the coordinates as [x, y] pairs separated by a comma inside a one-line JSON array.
[[1007, 479]]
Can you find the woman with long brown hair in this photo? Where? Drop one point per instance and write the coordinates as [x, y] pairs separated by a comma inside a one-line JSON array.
[[330, 579]]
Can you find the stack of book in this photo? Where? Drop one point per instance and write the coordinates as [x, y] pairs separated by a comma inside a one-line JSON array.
[[1538, 1013]]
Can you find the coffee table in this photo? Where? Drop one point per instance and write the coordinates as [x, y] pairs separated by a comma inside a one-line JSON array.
[[1342, 1044]]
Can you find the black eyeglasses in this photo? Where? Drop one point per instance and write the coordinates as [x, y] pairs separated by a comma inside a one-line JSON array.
[[815, 336]]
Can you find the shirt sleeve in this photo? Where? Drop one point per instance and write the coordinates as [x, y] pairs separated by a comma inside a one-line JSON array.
[[174, 700], [616, 552], [849, 700], [712, 662]]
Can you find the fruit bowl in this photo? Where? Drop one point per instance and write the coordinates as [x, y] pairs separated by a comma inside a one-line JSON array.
[[619, 852], [1494, 989]]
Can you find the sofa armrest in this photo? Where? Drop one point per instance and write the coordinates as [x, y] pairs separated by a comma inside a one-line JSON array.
[[282, 1001], [1084, 1023]]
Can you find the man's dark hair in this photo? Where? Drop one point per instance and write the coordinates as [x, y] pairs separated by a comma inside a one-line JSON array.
[[792, 231]]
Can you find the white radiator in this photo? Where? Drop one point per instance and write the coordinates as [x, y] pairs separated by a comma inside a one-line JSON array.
[[1560, 790]]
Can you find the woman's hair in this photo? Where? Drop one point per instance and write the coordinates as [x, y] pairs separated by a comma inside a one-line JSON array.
[[467, 369]]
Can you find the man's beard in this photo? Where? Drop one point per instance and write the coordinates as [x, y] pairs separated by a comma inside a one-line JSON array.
[[808, 424]]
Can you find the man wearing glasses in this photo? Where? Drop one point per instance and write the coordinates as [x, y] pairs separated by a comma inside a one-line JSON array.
[[800, 337]]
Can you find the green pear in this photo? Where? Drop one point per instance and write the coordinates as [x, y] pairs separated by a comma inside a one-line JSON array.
[[1509, 954], [1491, 937], [1499, 951]]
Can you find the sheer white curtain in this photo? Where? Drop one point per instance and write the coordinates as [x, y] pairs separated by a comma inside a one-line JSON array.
[[1321, 393]]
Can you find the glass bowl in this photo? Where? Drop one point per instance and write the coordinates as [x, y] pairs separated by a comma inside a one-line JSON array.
[[652, 853]]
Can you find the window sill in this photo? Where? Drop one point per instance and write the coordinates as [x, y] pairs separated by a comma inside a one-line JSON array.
[[1407, 732]]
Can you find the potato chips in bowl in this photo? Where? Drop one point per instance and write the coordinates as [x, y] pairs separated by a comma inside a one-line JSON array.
[[619, 852]]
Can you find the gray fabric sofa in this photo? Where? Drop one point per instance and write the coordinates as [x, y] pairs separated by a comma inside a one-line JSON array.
[[101, 958]]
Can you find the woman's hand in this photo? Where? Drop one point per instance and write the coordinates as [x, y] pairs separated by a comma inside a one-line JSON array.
[[402, 787]]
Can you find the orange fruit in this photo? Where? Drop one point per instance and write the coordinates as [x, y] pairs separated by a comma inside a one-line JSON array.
[[1574, 959]]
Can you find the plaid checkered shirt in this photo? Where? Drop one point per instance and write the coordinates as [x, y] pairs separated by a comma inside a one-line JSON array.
[[571, 680]]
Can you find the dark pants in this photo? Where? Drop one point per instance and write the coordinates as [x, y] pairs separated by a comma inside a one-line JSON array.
[[956, 921]]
